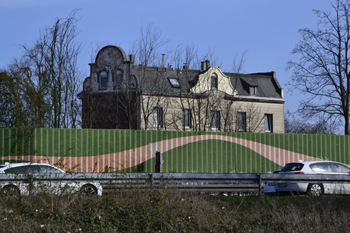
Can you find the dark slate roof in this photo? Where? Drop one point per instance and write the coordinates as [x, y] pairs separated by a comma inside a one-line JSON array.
[[267, 85], [160, 83]]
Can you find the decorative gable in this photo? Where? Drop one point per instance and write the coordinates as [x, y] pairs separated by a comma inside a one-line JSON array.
[[214, 79], [110, 56]]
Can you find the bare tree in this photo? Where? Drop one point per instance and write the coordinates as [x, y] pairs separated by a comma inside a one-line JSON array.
[[210, 55], [13, 107], [44, 82], [146, 48], [323, 69], [147, 54], [238, 62], [297, 125]]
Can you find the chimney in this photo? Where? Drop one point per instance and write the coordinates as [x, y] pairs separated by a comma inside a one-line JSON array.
[[273, 74], [132, 59], [163, 60], [208, 64], [185, 66], [203, 65]]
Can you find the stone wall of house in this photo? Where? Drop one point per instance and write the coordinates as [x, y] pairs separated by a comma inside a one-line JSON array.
[[120, 94], [172, 109]]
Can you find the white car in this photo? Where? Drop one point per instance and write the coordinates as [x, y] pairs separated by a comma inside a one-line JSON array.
[[314, 167], [270, 188], [20, 182]]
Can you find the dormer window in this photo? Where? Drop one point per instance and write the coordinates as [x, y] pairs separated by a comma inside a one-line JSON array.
[[252, 90], [174, 82], [214, 82], [103, 80]]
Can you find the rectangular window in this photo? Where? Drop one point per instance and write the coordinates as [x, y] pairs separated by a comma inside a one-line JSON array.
[[118, 79], [252, 90], [241, 121], [215, 120], [268, 123], [186, 115], [158, 117], [103, 80]]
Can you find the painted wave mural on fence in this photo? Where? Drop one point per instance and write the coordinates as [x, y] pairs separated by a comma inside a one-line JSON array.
[[135, 156]]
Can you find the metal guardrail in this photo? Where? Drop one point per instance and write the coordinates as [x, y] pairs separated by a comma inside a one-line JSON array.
[[181, 182]]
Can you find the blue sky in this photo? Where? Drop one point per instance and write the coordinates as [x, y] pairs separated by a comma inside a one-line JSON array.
[[266, 29]]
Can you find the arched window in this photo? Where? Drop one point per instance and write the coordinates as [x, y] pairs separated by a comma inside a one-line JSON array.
[[214, 82], [103, 80]]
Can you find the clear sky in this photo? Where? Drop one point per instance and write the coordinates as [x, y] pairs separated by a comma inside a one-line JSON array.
[[266, 29]]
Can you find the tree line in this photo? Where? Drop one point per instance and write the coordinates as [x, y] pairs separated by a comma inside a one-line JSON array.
[[40, 89]]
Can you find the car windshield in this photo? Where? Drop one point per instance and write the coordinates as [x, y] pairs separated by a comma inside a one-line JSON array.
[[292, 167]]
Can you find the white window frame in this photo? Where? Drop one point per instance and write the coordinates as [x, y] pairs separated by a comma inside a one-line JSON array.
[[268, 123], [215, 120], [241, 121], [158, 117], [187, 118]]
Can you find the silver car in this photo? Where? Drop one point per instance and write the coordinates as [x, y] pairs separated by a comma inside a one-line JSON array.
[[21, 173], [270, 188], [314, 167]]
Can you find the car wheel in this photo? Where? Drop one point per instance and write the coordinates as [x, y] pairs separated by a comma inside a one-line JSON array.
[[315, 190], [10, 191], [88, 190]]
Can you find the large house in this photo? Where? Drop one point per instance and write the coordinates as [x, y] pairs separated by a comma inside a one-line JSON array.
[[120, 94]]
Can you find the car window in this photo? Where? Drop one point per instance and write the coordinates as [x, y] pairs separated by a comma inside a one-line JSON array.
[[23, 169], [292, 167], [338, 167], [321, 167], [48, 169]]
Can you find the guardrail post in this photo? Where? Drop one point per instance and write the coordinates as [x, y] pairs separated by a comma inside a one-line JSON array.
[[30, 181], [157, 162], [151, 179], [259, 181]]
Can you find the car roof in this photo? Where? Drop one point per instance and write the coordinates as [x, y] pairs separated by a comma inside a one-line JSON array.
[[22, 164], [11, 165], [314, 161]]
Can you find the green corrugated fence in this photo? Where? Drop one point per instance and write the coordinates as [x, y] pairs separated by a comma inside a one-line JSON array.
[[98, 150]]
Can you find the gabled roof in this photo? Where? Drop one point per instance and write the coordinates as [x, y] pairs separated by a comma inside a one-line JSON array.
[[170, 81], [156, 80], [266, 84]]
